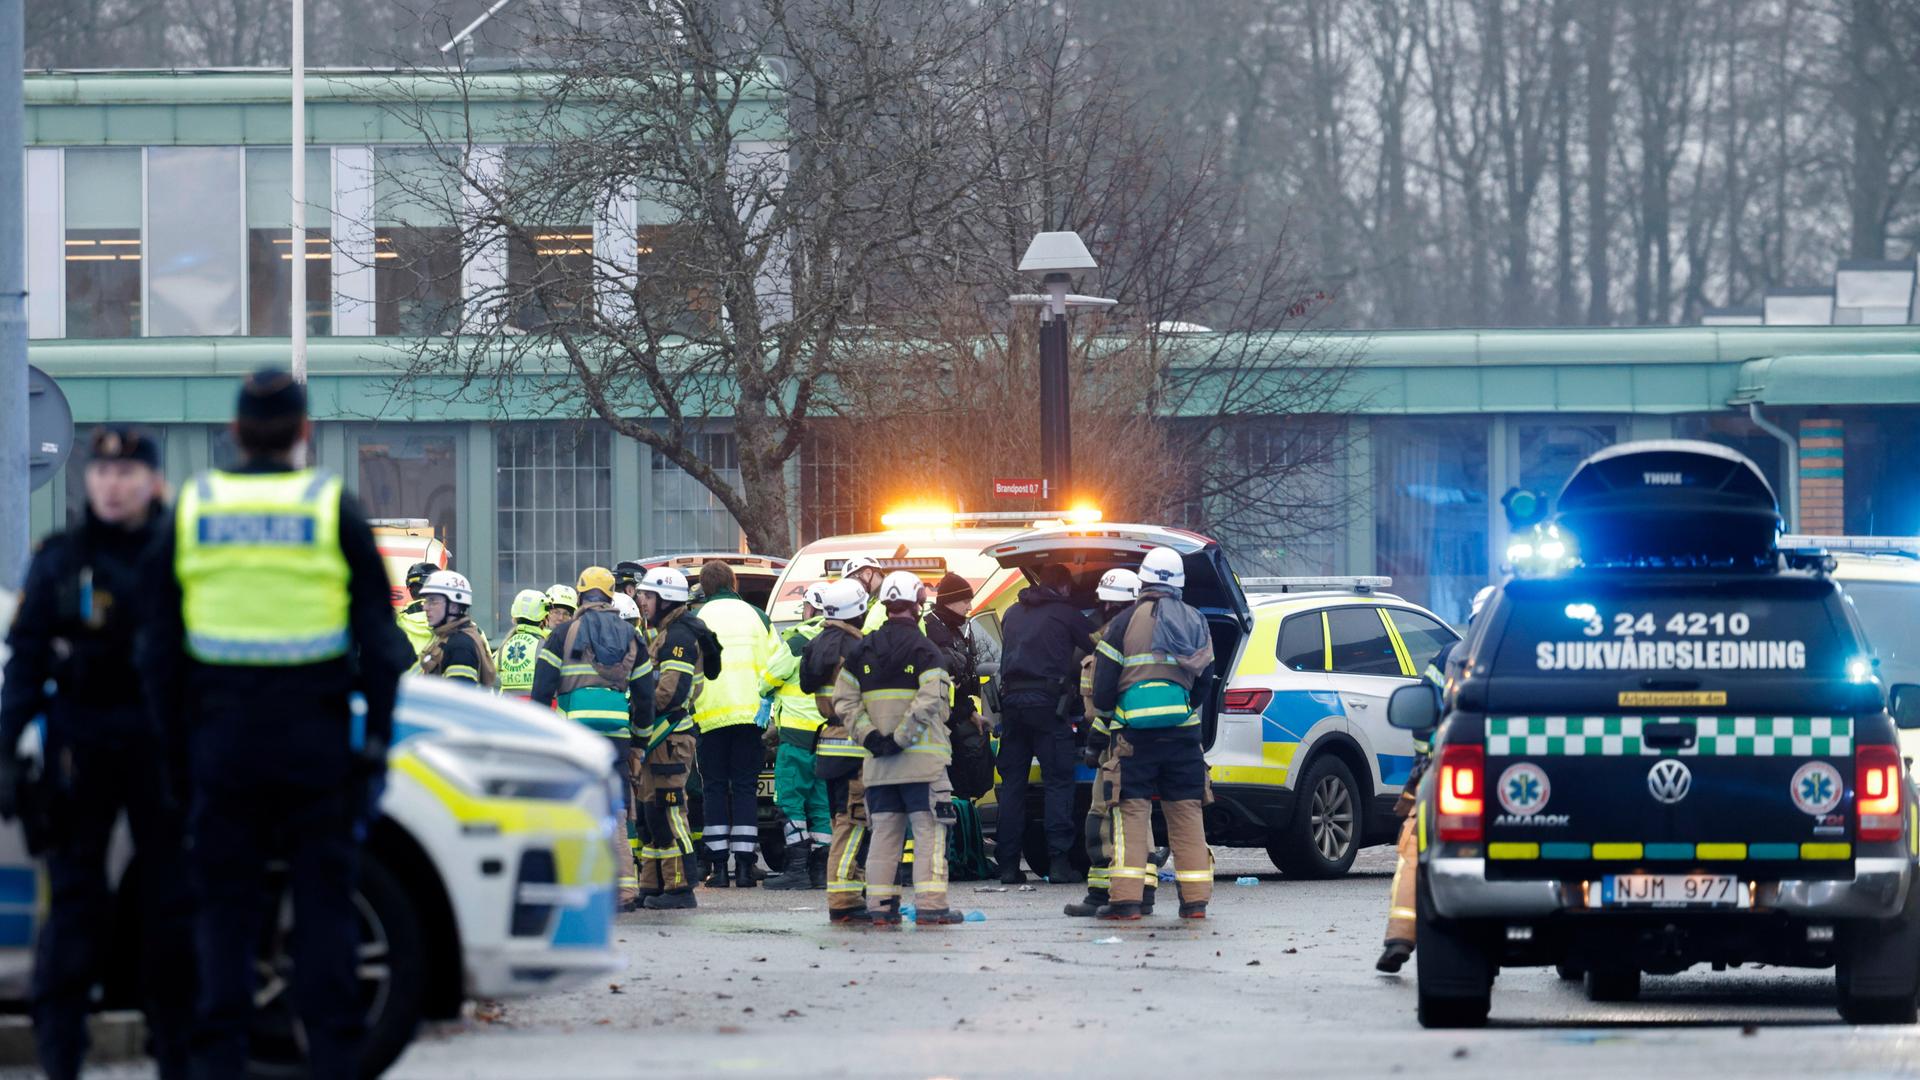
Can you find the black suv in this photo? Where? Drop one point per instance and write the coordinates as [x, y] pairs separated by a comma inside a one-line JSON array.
[[1666, 747]]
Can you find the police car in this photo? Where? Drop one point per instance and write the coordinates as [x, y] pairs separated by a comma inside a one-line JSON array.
[[490, 875], [1670, 748], [1301, 758], [1881, 577]]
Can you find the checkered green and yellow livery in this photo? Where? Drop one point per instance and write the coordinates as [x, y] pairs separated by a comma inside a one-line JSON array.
[[1715, 736]]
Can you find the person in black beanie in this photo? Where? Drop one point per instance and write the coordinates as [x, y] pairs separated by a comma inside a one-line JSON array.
[[271, 612], [71, 644]]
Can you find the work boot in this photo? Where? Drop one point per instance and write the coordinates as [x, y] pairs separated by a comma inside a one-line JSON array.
[[1088, 908], [717, 873], [1060, 871], [887, 914], [793, 872], [1156, 859], [1193, 909], [1394, 957], [853, 916], [937, 917], [1010, 873], [817, 867], [744, 864], [1124, 911], [677, 900]]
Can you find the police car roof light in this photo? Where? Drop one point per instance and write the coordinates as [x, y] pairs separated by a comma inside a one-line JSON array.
[[1362, 585], [1908, 546]]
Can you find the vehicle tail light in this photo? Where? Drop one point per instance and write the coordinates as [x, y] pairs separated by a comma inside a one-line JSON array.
[[1463, 801], [1876, 792], [1248, 701]]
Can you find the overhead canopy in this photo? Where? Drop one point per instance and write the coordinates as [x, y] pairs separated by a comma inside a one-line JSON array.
[[1867, 379]]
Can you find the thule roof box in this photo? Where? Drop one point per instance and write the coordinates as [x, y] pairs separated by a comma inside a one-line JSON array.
[[1670, 504]]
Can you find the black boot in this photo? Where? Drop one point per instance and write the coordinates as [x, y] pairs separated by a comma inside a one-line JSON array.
[[887, 913], [744, 863], [817, 867], [717, 872], [1060, 871], [1394, 957], [793, 872], [937, 917], [1193, 909], [853, 916], [1010, 869], [677, 900], [1121, 911], [1156, 859], [1088, 908]]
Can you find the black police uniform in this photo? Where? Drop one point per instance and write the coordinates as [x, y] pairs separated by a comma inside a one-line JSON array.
[[74, 632], [275, 776], [1039, 698]]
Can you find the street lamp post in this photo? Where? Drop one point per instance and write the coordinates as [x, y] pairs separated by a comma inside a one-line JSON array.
[[297, 291], [1057, 255]]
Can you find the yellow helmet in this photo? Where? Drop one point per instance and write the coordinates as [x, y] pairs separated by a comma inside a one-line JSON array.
[[529, 605], [596, 577], [563, 596]]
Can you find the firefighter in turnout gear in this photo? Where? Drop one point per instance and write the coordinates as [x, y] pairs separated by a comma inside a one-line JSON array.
[[1400, 905], [1153, 666], [895, 694], [1117, 589], [412, 619], [70, 642], [590, 666], [271, 608], [520, 653], [457, 651], [798, 792], [665, 729], [837, 758]]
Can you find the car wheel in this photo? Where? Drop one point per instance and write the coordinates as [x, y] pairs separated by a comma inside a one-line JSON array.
[[1451, 967], [1568, 971], [1613, 985], [392, 974], [1323, 836]]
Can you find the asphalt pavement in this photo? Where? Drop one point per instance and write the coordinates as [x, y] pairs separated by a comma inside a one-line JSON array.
[[1279, 981]]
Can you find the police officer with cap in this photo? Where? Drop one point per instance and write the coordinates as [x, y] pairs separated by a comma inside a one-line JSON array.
[[413, 618], [270, 612], [71, 641]]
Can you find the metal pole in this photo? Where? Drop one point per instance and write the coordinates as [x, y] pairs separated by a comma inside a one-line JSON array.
[[1056, 445], [15, 532], [298, 301], [1790, 469]]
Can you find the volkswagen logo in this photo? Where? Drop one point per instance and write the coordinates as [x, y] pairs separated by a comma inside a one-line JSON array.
[[1669, 780]]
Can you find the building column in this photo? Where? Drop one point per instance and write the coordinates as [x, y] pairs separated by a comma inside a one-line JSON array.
[[631, 479], [484, 272], [46, 243], [474, 505], [353, 247], [1357, 552], [1823, 484]]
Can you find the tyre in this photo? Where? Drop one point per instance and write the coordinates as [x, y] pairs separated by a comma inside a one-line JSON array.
[[1323, 836], [1613, 985], [1452, 969], [1877, 971], [392, 978], [1878, 1010], [1568, 971]]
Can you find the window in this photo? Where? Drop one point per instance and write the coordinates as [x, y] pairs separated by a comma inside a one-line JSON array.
[[409, 473], [1360, 643], [669, 297], [830, 497], [553, 499], [550, 255], [1549, 452], [194, 244], [270, 242], [1302, 646], [1423, 637], [416, 249], [103, 248], [687, 516], [1431, 527]]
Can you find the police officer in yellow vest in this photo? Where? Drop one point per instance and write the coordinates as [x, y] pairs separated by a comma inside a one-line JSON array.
[[520, 653], [413, 618], [458, 650], [589, 666], [800, 795], [271, 611]]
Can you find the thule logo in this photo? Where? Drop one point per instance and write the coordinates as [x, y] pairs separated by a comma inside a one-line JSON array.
[[1663, 479]]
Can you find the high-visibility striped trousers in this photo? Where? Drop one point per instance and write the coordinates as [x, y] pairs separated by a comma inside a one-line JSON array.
[[1405, 871], [846, 878]]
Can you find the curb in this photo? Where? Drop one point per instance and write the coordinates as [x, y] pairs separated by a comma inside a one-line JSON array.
[[119, 1035]]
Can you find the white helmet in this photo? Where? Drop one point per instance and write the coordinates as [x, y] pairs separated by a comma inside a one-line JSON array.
[[1118, 586], [624, 607], [1163, 566], [813, 596], [858, 563], [901, 587], [1479, 601], [844, 600], [665, 582], [455, 587]]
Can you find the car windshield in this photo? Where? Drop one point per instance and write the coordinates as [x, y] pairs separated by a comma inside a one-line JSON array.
[[1887, 610]]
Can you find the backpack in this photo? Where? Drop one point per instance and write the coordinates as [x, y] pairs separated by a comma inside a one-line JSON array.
[[967, 845], [972, 768]]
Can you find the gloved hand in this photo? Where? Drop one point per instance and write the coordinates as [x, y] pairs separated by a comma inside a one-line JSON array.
[[765, 716], [880, 745], [13, 772], [1096, 746]]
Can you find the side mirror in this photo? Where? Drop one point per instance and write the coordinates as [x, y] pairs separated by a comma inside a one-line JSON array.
[[1415, 708], [1903, 702]]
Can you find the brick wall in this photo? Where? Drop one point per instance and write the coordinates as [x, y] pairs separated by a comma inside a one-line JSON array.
[[1823, 504]]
